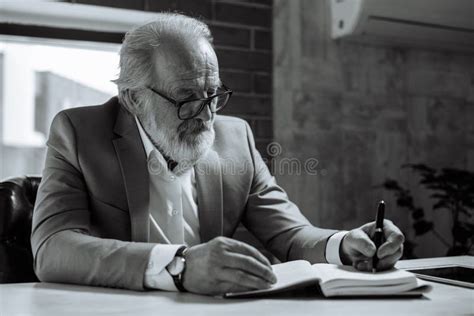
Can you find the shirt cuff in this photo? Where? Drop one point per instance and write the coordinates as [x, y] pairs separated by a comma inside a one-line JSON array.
[[332, 248], [156, 275]]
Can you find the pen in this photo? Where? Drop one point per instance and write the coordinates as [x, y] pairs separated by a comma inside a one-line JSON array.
[[378, 235]]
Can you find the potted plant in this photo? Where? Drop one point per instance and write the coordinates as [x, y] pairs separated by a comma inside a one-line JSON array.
[[452, 190]]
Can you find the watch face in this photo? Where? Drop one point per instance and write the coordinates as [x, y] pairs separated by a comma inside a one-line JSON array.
[[176, 266]]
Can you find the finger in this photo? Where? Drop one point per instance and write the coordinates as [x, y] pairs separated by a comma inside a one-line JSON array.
[[361, 243], [244, 279], [250, 265], [368, 228], [389, 261], [359, 257], [246, 249], [388, 248], [393, 242], [393, 232], [363, 265]]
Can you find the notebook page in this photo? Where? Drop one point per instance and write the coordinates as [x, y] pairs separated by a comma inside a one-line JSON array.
[[347, 276], [407, 289], [289, 275]]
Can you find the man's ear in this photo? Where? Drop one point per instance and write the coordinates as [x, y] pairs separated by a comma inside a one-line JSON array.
[[131, 96], [129, 100]]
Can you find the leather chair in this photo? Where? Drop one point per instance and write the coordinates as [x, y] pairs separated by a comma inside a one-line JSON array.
[[17, 199]]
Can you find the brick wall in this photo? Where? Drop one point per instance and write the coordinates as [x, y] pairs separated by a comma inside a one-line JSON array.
[[364, 110], [242, 31]]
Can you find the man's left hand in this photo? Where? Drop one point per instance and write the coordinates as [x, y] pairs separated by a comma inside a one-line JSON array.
[[357, 249]]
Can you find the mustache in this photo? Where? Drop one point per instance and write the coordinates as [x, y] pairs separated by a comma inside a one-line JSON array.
[[194, 126]]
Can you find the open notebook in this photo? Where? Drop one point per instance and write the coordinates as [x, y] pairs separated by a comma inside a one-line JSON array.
[[336, 280]]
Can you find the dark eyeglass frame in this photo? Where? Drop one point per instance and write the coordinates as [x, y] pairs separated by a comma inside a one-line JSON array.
[[205, 101]]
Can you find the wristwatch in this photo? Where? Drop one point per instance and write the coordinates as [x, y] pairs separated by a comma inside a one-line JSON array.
[[177, 267]]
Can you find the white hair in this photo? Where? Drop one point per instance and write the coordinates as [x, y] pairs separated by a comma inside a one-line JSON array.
[[140, 45]]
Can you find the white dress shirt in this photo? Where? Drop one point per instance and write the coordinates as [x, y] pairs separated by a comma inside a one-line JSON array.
[[173, 200]]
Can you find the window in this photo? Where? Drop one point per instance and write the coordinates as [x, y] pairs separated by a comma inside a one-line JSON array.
[[39, 78], [53, 56]]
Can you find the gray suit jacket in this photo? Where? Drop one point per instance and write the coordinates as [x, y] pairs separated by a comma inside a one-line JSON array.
[[90, 223]]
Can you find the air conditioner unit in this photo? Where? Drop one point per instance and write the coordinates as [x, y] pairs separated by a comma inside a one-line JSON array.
[[444, 24]]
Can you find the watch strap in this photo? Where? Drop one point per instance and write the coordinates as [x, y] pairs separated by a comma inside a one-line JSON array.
[[178, 279]]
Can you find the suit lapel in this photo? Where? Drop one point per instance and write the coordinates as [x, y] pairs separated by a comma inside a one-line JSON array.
[[209, 195], [133, 163]]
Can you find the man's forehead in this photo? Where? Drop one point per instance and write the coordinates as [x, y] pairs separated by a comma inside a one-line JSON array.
[[185, 58], [186, 82]]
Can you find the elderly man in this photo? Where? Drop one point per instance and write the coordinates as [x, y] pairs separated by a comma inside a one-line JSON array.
[[135, 193]]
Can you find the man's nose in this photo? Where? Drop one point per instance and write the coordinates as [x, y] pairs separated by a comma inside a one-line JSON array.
[[206, 114]]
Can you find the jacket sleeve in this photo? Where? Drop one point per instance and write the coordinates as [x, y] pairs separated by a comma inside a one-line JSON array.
[[64, 247], [276, 221]]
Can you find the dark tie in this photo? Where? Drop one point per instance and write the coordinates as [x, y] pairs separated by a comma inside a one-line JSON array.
[[170, 163]]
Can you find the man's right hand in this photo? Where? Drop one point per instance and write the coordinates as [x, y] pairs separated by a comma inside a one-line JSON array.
[[225, 265]]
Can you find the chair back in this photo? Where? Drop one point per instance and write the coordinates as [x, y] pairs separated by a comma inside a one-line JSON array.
[[17, 200]]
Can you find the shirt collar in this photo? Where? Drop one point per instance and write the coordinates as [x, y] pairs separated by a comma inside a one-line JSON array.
[[147, 144]]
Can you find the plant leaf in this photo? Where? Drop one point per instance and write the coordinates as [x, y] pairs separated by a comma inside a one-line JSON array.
[[462, 232], [390, 184], [422, 227], [418, 213]]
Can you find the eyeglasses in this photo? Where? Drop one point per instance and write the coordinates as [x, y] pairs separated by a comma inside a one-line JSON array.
[[191, 107]]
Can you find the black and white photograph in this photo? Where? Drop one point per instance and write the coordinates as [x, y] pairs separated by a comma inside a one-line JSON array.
[[236, 157]]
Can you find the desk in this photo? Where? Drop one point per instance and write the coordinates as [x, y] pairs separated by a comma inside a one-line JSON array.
[[51, 299]]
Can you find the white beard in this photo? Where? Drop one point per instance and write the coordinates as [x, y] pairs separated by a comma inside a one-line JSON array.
[[180, 145], [185, 152]]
